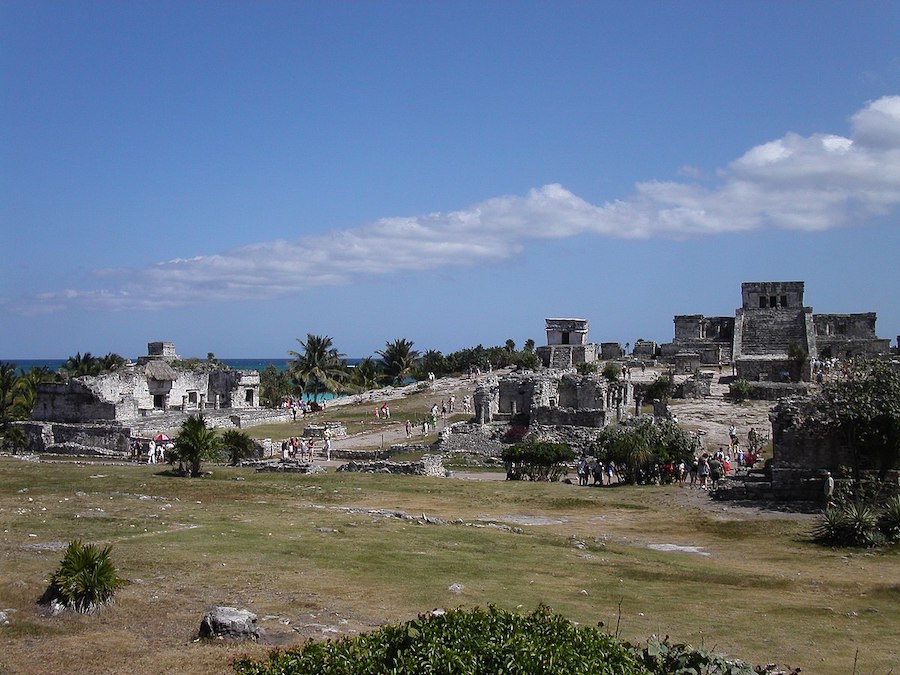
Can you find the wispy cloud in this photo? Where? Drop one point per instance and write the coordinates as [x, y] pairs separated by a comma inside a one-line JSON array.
[[812, 183]]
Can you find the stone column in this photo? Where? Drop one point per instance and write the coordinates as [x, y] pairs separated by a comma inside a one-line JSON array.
[[184, 403], [201, 401]]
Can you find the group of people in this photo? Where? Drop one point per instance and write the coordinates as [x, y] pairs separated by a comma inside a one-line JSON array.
[[592, 467], [156, 451], [304, 450]]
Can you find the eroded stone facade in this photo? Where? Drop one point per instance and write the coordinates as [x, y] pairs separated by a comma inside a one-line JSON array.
[[770, 322]]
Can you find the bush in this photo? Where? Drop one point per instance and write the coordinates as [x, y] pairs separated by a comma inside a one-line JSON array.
[[489, 641], [611, 371], [740, 390], [462, 642], [537, 460], [85, 580]]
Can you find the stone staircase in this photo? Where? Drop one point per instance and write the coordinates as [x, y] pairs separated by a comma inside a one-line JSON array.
[[772, 331]]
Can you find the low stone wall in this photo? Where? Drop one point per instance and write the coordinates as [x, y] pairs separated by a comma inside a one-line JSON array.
[[430, 465], [772, 391], [77, 439]]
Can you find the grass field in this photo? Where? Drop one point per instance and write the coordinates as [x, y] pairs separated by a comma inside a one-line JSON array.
[[309, 558]]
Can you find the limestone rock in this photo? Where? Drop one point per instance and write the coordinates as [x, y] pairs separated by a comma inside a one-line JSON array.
[[229, 622]]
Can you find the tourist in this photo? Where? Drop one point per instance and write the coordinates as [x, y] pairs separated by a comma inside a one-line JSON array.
[[151, 452], [305, 453], [715, 472], [452, 401], [328, 447], [828, 489], [597, 471], [582, 471], [408, 429], [609, 472], [703, 471], [732, 435]]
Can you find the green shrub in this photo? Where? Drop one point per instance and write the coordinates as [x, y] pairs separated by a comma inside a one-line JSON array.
[[462, 642], [740, 390], [611, 371], [536, 460], [86, 578], [490, 641]]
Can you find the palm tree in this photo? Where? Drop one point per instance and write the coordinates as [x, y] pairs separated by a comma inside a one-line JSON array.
[[195, 443], [399, 359], [78, 365], [320, 366], [8, 379], [367, 374], [24, 393], [529, 345], [510, 345]]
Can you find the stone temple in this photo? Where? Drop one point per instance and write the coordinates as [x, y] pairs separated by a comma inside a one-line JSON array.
[[771, 322], [100, 414]]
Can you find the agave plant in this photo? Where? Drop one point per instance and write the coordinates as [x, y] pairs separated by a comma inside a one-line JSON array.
[[86, 578], [889, 521]]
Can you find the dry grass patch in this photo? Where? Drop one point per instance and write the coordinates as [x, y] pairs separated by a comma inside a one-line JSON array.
[[308, 557]]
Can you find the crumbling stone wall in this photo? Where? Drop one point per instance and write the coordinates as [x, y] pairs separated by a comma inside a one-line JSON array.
[[79, 439]]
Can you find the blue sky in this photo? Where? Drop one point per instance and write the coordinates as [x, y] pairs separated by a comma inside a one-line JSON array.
[[231, 176]]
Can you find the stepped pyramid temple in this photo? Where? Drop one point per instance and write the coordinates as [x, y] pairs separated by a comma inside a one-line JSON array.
[[767, 333]]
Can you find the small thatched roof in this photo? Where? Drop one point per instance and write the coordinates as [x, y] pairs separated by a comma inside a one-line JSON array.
[[160, 370]]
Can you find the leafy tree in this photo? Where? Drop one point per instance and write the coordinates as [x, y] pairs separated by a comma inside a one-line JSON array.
[[526, 360], [237, 445], [274, 385], [611, 372], [432, 361], [636, 450], [86, 579], [863, 408], [195, 443], [319, 365], [661, 388], [538, 460], [399, 359], [510, 345]]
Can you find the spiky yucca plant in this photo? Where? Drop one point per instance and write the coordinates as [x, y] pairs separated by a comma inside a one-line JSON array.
[[86, 578], [889, 521]]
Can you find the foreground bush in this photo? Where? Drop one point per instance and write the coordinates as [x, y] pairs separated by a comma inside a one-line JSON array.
[[537, 460], [462, 642], [85, 580], [487, 642]]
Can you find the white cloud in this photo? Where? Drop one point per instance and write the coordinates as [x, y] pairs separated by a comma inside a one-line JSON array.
[[812, 183]]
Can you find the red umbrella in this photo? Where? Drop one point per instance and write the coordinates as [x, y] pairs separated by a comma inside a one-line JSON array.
[[162, 437]]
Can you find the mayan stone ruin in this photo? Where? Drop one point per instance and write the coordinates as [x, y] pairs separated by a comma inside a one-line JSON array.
[[771, 322], [99, 414]]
